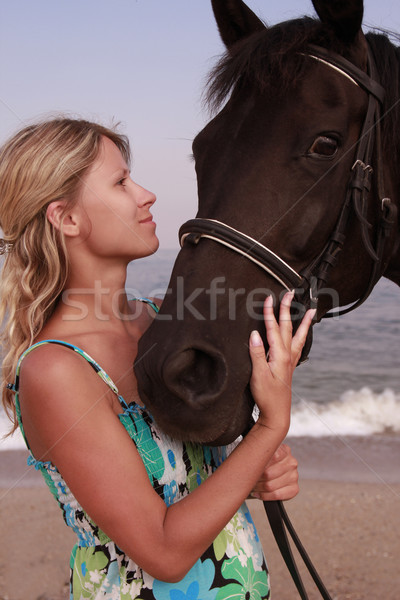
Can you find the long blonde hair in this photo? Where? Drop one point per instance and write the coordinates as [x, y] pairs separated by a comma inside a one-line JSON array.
[[41, 163]]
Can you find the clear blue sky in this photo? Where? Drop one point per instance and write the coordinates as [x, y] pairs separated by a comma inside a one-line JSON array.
[[140, 62]]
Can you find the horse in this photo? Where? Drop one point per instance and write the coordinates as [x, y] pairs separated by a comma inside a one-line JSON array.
[[298, 188]]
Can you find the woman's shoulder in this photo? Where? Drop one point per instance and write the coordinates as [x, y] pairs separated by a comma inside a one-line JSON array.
[[53, 378], [59, 393], [51, 361]]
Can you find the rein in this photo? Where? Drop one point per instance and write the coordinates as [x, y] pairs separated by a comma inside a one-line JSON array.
[[313, 278]]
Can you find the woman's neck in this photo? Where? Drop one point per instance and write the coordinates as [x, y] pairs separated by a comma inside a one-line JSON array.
[[95, 297]]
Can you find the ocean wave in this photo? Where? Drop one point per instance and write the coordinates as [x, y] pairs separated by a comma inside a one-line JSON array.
[[360, 413]]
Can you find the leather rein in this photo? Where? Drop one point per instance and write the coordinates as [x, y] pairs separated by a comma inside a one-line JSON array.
[[313, 278]]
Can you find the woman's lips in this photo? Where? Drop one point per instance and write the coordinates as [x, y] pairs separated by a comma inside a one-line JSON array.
[[149, 220]]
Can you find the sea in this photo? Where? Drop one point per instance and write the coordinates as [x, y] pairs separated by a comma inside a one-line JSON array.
[[350, 386]]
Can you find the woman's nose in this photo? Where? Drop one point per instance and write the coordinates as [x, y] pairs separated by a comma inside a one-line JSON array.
[[144, 196]]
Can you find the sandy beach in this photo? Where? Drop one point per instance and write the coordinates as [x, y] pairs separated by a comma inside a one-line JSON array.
[[347, 516]]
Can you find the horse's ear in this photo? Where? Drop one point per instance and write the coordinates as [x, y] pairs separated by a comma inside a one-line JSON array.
[[235, 20], [344, 16]]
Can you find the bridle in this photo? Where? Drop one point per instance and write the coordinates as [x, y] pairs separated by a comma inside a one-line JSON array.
[[312, 279]]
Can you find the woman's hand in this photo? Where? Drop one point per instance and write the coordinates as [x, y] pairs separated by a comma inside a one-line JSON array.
[[271, 378], [280, 478]]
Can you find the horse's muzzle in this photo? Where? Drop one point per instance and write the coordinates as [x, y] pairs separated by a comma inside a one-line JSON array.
[[195, 375], [190, 392]]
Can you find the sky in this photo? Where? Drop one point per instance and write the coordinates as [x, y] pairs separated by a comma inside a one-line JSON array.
[[140, 63]]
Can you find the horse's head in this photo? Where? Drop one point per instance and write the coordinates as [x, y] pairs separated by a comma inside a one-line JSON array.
[[277, 163]]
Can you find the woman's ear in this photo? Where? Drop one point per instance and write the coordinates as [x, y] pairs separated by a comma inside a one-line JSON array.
[[65, 221]]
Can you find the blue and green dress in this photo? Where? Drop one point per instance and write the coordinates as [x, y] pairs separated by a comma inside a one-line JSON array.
[[233, 567]]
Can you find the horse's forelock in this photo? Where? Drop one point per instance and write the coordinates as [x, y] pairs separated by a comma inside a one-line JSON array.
[[269, 60]]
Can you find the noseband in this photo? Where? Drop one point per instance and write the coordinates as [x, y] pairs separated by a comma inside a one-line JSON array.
[[313, 278]]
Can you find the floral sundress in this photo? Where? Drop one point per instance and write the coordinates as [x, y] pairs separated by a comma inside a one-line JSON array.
[[233, 567]]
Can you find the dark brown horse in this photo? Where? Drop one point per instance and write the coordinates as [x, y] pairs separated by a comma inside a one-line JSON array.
[[303, 159]]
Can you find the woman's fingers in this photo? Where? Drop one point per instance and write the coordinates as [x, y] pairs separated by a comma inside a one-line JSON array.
[[270, 382], [282, 493], [275, 338], [280, 477], [285, 321], [280, 336], [282, 463], [259, 361], [300, 336]]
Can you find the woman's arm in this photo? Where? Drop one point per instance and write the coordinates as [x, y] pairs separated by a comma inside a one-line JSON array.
[[69, 415]]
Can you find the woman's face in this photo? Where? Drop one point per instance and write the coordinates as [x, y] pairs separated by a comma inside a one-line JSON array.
[[116, 209]]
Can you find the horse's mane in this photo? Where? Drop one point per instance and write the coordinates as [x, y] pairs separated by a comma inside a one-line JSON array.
[[274, 59], [387, 58]]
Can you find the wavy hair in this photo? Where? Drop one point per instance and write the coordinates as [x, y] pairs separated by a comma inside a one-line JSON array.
[[41, 163]]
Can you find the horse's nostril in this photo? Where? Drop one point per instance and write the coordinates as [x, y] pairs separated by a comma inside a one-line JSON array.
[[195, 375]]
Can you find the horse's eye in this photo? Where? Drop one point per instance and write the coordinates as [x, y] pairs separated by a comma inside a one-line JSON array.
[[323, 146]]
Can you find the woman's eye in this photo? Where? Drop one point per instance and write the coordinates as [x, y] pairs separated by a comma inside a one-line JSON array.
[[122, 181], [324, 146]]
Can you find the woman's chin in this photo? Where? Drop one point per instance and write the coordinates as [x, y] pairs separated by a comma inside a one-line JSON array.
[[155, 246], [148, 248]]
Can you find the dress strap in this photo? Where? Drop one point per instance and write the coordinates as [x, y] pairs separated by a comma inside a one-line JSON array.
[[104, 376], [150, 303]]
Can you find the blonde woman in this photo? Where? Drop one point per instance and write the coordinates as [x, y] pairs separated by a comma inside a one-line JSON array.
[[156, 518]]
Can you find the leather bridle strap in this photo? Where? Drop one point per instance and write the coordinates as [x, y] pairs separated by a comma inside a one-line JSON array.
[[195, 229], [367, 81], [359, 186]]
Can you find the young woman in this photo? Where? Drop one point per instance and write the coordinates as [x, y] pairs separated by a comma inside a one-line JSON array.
[[156, 518]]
